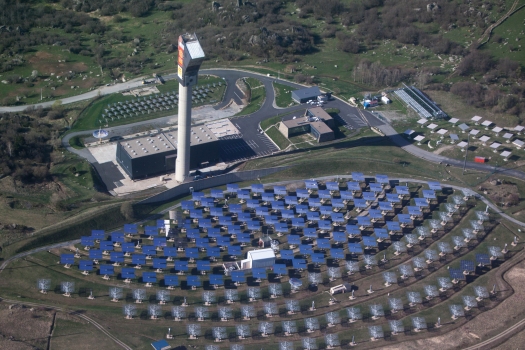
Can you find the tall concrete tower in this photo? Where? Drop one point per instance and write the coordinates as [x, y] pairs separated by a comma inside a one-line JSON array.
[[191, 57]]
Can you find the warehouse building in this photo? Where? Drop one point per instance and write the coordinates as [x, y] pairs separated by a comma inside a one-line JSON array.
[[305, 95], [156, 154], [315, 121]]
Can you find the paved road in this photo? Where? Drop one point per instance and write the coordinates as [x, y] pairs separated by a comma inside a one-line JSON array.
[[400, 141], [248, 124]]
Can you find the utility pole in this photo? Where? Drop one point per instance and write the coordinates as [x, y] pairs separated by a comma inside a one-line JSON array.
[[41, 95], [466, 152]]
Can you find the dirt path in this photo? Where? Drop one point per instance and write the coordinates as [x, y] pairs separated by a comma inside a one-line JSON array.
[[486, 34], [492, 324], [442, 149]]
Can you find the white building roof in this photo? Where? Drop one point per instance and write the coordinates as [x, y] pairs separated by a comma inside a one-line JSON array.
[[442, 131], [422, 121], [432, 126], [505, 154], [261, 254], [497, 129], [518, 143], [486, 123], [476, 118], [462, 144], [453, 120], [419, 138], [519, 128], [409, 132], [507, 135]]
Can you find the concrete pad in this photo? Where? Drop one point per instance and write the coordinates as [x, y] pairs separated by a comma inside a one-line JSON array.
[[223, 127], [104, 153]]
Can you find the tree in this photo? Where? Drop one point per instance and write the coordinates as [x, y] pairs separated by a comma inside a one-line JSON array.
[[126, 209]]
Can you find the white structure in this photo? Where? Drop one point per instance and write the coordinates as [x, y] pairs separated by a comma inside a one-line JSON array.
[[385, 100], [422, 121], [190, 59], [264, 258], [476, 119], [453, 121], [432, 126]]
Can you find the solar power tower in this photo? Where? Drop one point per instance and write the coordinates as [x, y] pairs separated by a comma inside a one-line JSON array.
[[190, 59]]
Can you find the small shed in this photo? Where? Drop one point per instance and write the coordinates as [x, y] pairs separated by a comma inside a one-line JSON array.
[[385, 100], [370, 103], [264, 258]]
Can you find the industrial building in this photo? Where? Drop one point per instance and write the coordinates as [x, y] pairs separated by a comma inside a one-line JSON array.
[[305, 95], [315, 121], [156, 154], [261, 258]]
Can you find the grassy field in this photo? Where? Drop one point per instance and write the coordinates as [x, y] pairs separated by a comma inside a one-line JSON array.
[[283, 96], [511, 33], [76, 142], [18, 281], [277, 137], [265, 124], [369, 153], [91, 117], [257, 96]]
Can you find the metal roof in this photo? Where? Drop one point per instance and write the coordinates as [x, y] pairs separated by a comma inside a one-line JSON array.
[[307, 92], [164, 142], [261, 254]]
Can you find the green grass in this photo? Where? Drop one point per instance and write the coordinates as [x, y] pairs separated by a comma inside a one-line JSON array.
[[283, 95], [510, 31], [257, 96], [277, 137], [76, 142], [18, 281], [265, 124]]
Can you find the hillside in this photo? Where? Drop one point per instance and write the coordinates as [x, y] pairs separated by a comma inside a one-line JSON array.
[[60, 48]]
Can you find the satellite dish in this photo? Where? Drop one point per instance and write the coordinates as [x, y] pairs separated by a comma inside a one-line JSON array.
[[100, 134]]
